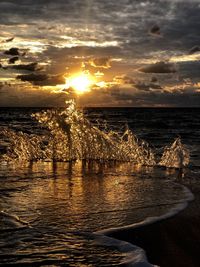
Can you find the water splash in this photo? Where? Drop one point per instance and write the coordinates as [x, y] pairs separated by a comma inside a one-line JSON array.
[[176, 155], [71, 136], [22, 146]]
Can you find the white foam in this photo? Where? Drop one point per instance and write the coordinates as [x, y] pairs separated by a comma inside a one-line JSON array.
[[136, 256]]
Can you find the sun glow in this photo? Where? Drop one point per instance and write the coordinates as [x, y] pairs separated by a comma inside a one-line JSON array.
[[81, 82]]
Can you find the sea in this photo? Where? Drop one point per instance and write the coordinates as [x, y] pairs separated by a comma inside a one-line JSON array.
[[57, 210]]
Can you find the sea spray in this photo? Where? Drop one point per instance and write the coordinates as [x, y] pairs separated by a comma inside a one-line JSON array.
[[22, 146], [176, 155], [71, 136]]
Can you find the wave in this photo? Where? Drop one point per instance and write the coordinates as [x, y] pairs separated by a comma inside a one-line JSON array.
[[136, 256], [71, 136]]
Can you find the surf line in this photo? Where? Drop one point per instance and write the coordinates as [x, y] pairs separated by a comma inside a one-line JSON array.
[[136, 256]]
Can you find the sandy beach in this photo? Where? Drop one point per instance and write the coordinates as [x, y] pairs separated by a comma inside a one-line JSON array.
[[174, 242]]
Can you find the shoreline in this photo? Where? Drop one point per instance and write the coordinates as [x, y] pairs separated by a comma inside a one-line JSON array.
[[172, 242]]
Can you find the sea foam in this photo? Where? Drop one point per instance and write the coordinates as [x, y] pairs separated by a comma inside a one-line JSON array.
[[136, 256]]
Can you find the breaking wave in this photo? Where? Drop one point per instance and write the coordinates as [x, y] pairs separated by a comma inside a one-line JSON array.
[[71, 136]]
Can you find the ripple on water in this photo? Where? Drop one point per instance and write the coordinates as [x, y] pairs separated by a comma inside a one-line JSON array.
[[60, 205]]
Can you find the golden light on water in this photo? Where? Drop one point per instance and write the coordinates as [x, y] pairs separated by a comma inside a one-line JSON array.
[[80, 82]]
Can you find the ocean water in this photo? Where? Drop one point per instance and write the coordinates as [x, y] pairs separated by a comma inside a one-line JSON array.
[[56, 213]]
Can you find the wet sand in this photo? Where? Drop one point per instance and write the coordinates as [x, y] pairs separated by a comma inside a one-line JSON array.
[[174, 242]]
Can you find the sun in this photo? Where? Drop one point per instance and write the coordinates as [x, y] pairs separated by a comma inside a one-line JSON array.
[[80, 82]]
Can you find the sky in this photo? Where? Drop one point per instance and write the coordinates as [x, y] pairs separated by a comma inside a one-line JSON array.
[[135, 53]]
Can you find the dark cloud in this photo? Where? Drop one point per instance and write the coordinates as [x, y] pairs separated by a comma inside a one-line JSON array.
[[189, 70], [124, 79], [182, 30], [155, 30], [33, 77], [9, 39], [141, 85], [73, 57], [14, 51], [42, 79], [93, 29], [3, 67], [28, 67], [154, 79], [101, 62], [194, 49], [84, 50], [147, 86], [12, 60], [147, 98], [159, 67]]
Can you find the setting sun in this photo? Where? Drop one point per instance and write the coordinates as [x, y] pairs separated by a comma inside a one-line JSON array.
[[81, 82]]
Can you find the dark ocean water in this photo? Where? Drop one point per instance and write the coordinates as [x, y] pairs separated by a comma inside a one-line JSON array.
[[158, 126], [49, 211]]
